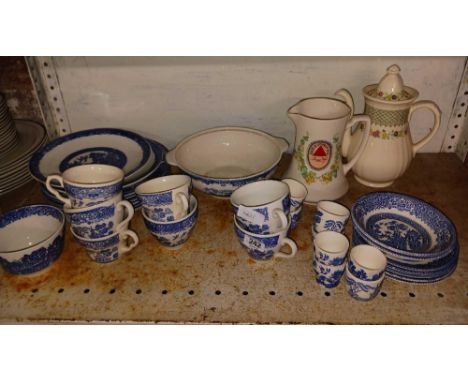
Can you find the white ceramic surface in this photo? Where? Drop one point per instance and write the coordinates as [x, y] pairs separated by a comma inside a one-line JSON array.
[[262, 207], [317, 163]]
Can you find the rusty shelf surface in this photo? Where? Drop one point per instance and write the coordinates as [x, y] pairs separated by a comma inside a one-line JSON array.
[[212, 280]]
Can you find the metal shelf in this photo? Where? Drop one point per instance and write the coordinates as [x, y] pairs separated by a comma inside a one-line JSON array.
[[212, 280]]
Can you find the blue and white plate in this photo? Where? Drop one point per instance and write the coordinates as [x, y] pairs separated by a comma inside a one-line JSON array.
[[117, 147], [161, 168], [416, 273], [407, 227]]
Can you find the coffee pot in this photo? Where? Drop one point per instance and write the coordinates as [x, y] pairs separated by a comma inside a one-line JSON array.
[[390, 149]]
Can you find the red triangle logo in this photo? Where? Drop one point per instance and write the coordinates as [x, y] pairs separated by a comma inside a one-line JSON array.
[[320, 152]]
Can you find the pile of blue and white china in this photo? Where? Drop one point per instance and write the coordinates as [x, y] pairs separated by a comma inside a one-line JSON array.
[[330, 244], [170, 211], [140, 158], [265, 212], [419, 241], [98, 215], [365, 267], [31, 238], [18, 141]]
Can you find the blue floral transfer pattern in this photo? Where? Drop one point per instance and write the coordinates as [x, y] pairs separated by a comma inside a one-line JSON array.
[[90, 155], [37, 260], [361, 291]]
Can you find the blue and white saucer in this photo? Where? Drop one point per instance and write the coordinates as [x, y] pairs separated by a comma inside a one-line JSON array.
[[409, 229], [121, 148]]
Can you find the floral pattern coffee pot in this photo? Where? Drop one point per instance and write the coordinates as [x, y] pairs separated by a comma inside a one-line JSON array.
[[390, 149]]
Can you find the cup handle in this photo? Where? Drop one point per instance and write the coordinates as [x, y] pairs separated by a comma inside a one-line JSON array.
[[127, 206], [365, 119], [282, 217], [183, 199], [127, 248], [54, 192], [291, 244], [436, 111], [348, 98]]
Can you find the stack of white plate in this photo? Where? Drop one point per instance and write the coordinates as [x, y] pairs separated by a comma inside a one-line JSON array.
[[18, 141], [8, 134], [140, 158]]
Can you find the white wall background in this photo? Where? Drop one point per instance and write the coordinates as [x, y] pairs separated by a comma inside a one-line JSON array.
[[170, 98]]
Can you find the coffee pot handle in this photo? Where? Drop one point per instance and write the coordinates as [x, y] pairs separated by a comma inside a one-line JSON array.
[[436, 111], [366, 122]]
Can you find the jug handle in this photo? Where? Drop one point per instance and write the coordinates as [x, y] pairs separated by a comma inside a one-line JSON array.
[[436, 111], [365, 119], [348, 98]]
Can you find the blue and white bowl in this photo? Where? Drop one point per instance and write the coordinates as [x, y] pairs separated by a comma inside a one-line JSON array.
[[222, 159], [409, 229], [31, 238], [362, 290], [413, 272], [174, 233], [108, 248]]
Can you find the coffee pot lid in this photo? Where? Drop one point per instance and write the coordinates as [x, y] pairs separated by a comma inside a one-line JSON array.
[[391, 88]]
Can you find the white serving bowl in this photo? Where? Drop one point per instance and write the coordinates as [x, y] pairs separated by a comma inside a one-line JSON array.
[[31, 238], [221, 159]]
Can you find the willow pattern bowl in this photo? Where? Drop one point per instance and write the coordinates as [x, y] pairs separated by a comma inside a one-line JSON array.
[[406, 227], [31, 238], [220, 160]]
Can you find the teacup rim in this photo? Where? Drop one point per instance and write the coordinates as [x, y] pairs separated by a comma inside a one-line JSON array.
[[92, 185], [38, 244], [370, 282], [159, 179], [288, 194], [95, 240], [332, 233], [192, 197], [263, 236]]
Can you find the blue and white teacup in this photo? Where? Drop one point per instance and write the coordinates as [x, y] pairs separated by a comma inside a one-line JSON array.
[[328, 275], [265, 247], [102, 219], [330, 216], [367, 262], [108, 248], [330, 248], [31, 238], [295, 216], [362, 290], [166, 198], [262, 207], [173, 234], [86, 185], [297, 193]]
